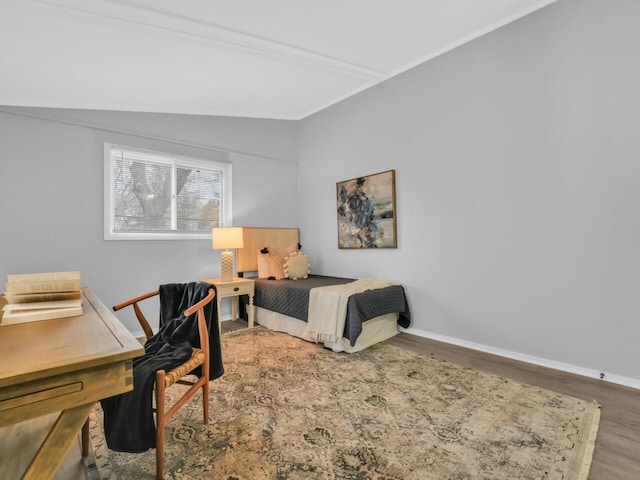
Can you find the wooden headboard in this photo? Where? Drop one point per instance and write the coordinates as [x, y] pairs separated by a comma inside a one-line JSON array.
[[256, 238]]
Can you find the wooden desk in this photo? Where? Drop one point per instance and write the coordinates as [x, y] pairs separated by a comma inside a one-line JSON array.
[[62, 365], [236, 287]]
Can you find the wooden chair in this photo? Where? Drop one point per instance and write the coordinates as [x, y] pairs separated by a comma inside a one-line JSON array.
[[163, 380]]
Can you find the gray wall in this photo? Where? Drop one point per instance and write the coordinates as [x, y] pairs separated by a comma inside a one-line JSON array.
[[517, 166], [51, 194], [517, 173]]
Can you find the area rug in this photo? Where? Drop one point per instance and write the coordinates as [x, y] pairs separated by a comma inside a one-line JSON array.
[[287, 409]]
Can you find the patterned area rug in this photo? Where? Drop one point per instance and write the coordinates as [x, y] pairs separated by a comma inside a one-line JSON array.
[[287, 409]]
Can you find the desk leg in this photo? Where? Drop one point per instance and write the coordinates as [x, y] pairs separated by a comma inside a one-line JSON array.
[[251, 312], [85, 439], [54, 448]]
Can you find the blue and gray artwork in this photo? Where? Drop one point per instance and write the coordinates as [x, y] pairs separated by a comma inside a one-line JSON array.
[[366, 212]]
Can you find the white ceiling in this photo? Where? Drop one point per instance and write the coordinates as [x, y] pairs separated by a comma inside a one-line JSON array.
[[281, 59]]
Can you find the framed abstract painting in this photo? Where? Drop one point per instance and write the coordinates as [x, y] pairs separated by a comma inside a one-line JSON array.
[[367, 211]]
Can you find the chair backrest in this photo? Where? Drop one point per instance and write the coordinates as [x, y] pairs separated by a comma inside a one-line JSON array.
[[148, 332], [203, 332], [207, 311], [146, 327]]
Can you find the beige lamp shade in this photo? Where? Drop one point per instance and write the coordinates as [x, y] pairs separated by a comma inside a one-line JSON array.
[[224, 238], [227, 237]]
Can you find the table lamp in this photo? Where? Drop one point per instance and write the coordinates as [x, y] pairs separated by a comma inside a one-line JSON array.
[[226, 238]]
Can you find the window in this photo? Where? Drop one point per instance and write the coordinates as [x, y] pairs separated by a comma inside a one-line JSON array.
[[151, 195]]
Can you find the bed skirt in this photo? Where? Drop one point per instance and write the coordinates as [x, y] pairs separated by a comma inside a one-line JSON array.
[[374, 330]]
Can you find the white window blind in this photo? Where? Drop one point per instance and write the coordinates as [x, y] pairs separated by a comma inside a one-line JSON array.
[[158, 196]]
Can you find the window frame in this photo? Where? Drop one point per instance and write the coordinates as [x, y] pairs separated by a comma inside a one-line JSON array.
[[218, 163]]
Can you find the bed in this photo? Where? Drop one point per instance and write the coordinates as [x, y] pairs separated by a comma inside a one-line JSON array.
[[344, 314]]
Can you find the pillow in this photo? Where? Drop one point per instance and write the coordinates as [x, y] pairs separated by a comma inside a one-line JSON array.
[[264, 265], [296, 266], [271, 261]]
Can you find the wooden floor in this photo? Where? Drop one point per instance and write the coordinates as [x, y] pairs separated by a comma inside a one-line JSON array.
[[617, 452]]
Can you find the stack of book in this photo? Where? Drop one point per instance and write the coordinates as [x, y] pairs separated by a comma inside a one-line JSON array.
[[31, 297]]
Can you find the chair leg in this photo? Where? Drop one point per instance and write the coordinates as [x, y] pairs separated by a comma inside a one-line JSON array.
[[160, 422], [205, 401]]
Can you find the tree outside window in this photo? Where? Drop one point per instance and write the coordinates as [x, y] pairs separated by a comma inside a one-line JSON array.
[[153, 193]]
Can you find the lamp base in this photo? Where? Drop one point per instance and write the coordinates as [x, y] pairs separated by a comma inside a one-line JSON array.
[[226, 266]]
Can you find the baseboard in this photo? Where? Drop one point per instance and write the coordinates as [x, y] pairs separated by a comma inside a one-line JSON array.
[[139, 334], [543, 362]]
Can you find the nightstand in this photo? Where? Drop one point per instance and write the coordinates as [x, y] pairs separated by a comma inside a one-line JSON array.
[[233, 289]]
